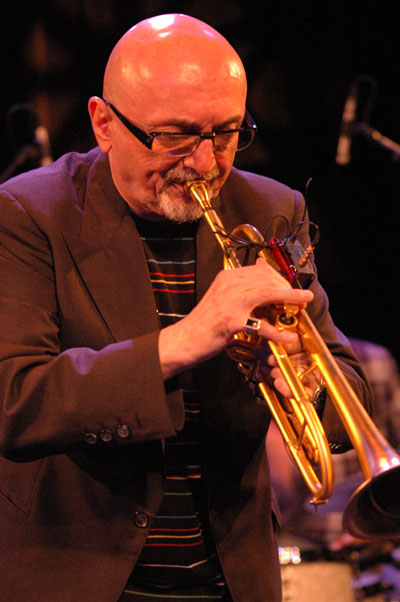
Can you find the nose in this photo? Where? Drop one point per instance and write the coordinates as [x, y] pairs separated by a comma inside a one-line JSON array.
[[202, 159]]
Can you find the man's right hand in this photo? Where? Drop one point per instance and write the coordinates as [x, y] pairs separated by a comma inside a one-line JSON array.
[[223, 311]]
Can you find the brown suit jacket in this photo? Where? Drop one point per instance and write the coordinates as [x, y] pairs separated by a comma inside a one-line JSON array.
[[84, 407]]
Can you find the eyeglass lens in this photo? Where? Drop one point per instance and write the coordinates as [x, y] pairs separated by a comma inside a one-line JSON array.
[[177, 146]]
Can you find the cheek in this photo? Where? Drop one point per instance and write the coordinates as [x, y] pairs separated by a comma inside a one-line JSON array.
[[225, 165], [137, 176], [129, 167]]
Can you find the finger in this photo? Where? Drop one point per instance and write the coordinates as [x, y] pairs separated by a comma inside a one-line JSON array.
[[270, 332], [278, 294], [298, 358], [257, 285], [283, 388], [295, 349], [269, 269]]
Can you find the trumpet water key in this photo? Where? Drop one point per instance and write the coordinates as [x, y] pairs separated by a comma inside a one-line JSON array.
[[373, 511]]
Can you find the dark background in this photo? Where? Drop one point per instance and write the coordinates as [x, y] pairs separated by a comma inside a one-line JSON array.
[[301, 59]]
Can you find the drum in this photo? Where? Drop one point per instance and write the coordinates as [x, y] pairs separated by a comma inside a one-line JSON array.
[[313, 574], [305, 578]]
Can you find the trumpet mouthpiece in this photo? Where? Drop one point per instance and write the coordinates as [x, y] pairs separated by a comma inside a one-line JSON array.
[[198, 191]]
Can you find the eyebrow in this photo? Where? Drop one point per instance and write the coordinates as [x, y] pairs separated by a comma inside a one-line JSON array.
[[190, 127]]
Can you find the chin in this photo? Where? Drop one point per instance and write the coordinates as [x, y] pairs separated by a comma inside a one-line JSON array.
[[179, 208]]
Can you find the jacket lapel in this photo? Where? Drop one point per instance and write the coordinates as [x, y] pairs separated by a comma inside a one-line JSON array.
[[109, 257]]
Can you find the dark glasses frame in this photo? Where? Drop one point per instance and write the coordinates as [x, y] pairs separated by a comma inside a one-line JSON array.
[[148, 138]]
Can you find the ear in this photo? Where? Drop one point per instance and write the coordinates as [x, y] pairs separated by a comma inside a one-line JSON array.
[[100, 118]]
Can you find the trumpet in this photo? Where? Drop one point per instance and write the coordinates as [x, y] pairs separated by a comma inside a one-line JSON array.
[[373, 511]]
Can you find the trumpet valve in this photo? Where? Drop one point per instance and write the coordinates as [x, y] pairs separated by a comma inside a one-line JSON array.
[[283, 316]]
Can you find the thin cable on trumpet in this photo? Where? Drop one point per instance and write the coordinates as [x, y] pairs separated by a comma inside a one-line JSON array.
[[237, 244], [290, 236]]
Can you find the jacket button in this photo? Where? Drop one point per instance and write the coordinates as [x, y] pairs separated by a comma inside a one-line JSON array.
[[106, 435], [123, 431], [90, 438], [141, 519]]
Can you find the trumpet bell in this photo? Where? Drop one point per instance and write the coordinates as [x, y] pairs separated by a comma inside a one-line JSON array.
[[373, 511]]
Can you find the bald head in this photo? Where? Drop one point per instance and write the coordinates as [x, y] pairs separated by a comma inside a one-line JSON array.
[[170, 49], [171, 74]]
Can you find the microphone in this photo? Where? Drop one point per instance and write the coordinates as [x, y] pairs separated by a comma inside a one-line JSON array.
[[42, 142], [343, 152], [29, 140], [27, 135]]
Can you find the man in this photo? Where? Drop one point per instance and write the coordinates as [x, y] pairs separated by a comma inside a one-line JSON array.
[[116, 485]]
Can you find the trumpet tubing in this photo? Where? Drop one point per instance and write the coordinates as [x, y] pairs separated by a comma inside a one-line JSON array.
[[373, 511]]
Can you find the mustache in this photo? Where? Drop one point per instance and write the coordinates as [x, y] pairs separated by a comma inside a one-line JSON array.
[[178, 175]]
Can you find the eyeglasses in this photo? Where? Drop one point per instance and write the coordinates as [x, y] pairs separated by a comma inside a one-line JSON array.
[[181, 144]]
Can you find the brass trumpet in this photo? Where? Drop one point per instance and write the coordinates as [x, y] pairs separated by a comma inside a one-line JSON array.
[[373, 511]]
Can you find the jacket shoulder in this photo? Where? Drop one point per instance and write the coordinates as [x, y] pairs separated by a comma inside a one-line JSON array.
[[258, 183], [258, 199], [46, 187]]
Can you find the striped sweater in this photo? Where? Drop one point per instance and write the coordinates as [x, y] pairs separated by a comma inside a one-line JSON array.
[[179, 560]]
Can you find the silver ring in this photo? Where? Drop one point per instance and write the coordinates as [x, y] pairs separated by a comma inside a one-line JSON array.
[[252, 325]]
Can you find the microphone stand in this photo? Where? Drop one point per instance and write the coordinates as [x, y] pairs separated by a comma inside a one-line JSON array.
[[27, 152], [354, 123], [377, 138]]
